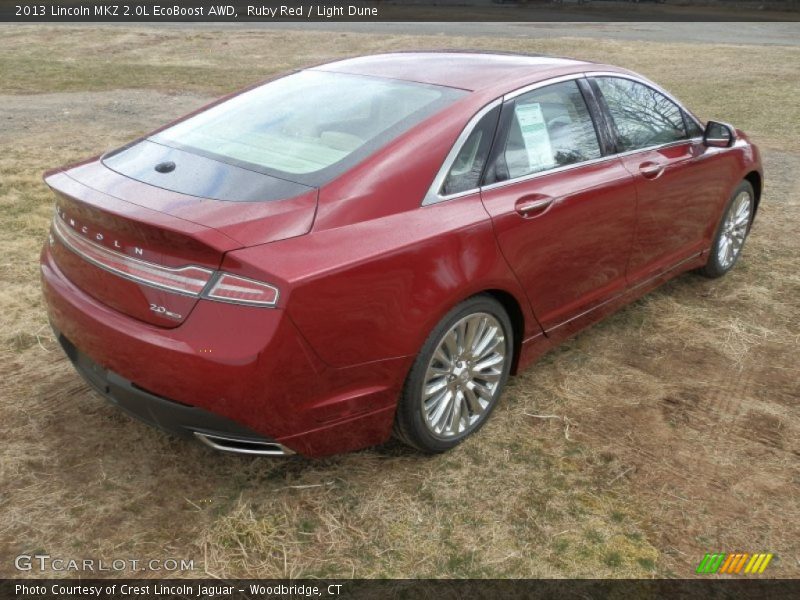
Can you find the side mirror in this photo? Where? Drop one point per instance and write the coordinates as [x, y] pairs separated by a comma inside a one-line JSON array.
[[719, 135]]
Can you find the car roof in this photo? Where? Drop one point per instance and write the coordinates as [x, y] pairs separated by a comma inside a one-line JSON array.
[[472, 71]]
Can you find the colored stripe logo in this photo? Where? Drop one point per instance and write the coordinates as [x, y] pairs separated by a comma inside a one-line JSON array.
[[734, 564]]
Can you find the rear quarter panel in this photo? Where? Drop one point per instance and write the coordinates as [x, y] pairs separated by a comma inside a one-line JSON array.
[[374, 290]]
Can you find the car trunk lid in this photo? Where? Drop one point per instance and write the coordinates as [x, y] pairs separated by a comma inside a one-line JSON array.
[[148, 251]]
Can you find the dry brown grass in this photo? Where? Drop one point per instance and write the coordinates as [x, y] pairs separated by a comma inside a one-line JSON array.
[[682, 408]]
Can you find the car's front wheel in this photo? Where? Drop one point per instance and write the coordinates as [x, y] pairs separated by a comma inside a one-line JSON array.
[[457, 377], [731, 232]]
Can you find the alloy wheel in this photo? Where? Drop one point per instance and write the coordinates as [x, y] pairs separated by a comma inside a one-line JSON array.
[[734, 230], [463, 376]]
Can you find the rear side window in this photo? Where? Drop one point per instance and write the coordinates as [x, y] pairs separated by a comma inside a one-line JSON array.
[[550, 127], [465, 174], [642, 117]]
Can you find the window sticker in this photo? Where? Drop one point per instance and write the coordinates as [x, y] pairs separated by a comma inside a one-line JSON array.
[[535, 135]]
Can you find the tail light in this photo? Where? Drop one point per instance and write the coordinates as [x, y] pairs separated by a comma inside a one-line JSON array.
[[240, 290], [190, 280]]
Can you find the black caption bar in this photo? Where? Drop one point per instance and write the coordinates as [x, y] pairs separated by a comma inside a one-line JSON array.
[[230, 11], [177, 10], [218, 589]]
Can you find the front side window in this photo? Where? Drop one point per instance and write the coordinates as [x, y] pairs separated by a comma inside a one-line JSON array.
[[642, 116], [693, 129], [310, 126], [550, 127]]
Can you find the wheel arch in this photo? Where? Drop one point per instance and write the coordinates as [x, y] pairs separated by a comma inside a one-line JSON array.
[[510, 303], [755, 179], [512, 307]]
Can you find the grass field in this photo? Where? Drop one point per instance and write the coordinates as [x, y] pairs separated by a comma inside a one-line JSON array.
[[676, 428]]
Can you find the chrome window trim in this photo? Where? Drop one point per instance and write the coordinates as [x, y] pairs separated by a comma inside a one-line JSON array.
[[434, 197], [540, 84], [585, 163], [537, 174]]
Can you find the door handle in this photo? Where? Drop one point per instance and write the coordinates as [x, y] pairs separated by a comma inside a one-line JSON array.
[[532, 206], [650, 169]]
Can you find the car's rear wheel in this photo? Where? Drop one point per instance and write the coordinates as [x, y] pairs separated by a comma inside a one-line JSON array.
[[457, 377], [731, 232]]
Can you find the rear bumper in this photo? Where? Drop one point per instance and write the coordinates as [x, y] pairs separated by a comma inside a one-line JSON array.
[[172, 417], [228, 370]]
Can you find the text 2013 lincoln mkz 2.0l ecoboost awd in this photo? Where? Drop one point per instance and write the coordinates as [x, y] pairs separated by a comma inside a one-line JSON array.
[[372, 246]]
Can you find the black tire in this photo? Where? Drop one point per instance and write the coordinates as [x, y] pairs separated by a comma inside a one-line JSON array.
[[410, 426], [715, 267]]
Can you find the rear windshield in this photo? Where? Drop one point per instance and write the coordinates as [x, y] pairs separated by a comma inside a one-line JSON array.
[[310, 126]]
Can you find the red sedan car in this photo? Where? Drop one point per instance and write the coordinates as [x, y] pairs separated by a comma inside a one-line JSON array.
[[373, 245]]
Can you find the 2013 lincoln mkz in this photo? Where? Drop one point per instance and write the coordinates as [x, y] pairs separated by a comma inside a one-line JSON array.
[[373, 246]]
